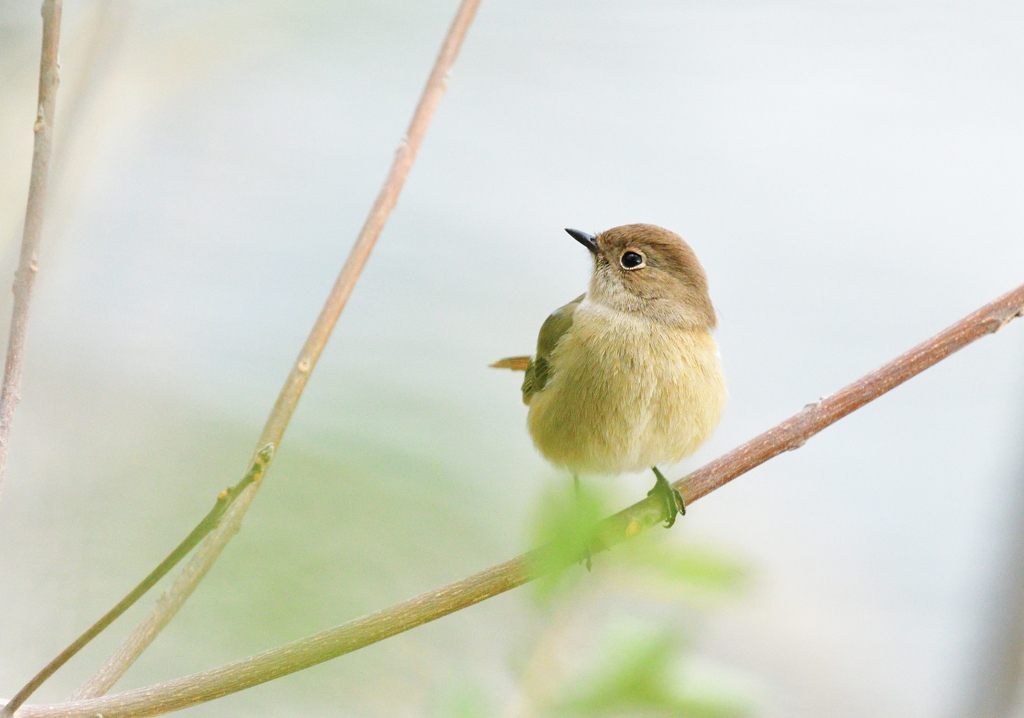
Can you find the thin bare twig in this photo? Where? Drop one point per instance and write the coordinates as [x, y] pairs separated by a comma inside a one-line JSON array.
[[224, 499], [353, 635], [190, 576], [28, 265]]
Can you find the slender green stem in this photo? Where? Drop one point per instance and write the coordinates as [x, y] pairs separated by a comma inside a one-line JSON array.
[[224, 499]]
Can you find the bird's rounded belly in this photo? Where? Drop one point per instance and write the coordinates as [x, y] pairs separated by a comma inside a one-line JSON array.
[[613, 407]]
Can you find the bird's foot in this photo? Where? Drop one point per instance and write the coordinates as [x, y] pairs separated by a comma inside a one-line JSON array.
[[670, 497], [594, 545]]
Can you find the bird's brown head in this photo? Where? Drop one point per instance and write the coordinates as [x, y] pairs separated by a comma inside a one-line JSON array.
[[646, 269]]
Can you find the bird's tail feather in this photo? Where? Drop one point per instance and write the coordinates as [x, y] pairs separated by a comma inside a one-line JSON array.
[[513, 363]]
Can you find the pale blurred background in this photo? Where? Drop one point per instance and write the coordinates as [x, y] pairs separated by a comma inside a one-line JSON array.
[[851, 174]]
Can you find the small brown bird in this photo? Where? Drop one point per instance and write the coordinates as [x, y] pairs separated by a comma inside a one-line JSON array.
[[627, 376]]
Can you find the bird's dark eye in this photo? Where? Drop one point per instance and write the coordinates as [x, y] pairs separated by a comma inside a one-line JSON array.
[[632, 259]]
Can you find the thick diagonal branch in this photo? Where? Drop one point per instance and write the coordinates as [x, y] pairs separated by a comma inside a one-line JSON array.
[[28, 265], [289, 658]]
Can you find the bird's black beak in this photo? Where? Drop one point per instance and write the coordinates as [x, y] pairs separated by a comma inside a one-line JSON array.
[[587, 240]]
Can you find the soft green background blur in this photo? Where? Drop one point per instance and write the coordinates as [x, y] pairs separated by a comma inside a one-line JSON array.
[[850, 173]]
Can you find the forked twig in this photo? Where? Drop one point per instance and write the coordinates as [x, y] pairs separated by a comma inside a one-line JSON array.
[[224, 499], [197, 567], [28, 265], [353, 635]]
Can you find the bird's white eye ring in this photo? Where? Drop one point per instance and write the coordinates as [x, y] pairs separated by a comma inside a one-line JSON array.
[[633, 259]]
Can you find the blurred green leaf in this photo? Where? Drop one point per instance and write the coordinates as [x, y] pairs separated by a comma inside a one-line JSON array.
[[463, 701], [679, 566], [630, 672], [636, 670], [638, 667], [564, 522]]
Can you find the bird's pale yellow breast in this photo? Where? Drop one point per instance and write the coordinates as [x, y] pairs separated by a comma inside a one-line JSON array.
[[626, 393]]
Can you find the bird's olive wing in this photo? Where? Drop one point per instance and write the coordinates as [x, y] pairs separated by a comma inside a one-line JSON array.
[[554, 328]]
